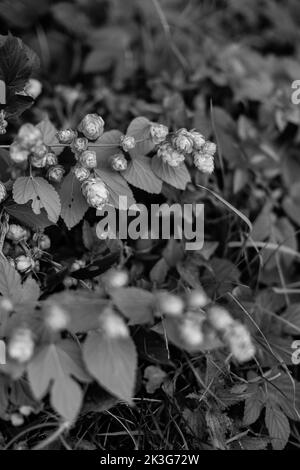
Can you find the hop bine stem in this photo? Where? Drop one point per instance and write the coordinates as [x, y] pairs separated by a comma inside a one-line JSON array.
[[89, 145]]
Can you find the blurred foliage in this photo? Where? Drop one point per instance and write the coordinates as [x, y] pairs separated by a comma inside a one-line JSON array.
[[225, 68]]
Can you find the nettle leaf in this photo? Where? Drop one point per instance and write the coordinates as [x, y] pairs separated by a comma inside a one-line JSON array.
[[278, 427], [11, 286], [135, 303], [48, 131], [54, 368], [139, 173], [42, 194], [111, 145], [83, 308], [139, 128], [74, 204], [177, 177], [117, 186], [23, 213], [112, 362]]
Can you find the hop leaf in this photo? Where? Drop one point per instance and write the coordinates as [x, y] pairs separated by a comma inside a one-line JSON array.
[[42, 194], [74, 205], [140, 174], [117, 186], [139, 128], [177, 177], [110, 141]]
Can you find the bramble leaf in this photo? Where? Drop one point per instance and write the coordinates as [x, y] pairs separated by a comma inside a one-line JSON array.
[[278, 427]]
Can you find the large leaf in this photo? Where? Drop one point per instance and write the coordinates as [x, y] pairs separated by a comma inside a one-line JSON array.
[[139, 128], [54, 368], [42, 194], [106, 146], [17, 63], [177, 177], [74, 204], [117, 187], [139, 173], [135, 303], [112, 362], [15, 66]]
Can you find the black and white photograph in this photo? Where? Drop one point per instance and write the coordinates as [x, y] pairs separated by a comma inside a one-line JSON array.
[[149, 229]]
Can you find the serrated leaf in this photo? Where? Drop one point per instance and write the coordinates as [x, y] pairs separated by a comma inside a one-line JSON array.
[[135, 303], [17, 63], [139, 173], [177, 177], [42, 194], [15, 68], [54, 368], [23, 213], [253, 407], [48, 131], [278, 427], [139, 128], [112, 362], [74, 205], [284, 392], [111, 145], [117, 187]]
